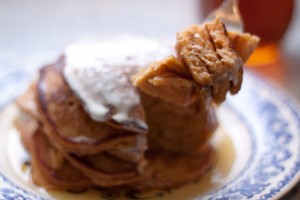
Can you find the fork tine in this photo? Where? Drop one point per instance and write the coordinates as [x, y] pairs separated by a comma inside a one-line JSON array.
[[229, 14]]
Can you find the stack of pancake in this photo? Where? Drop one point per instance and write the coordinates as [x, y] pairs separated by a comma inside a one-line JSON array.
[[71, 150]]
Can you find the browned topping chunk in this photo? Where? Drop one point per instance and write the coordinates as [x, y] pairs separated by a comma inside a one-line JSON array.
[[244, 44], [212, 58], [169, 80], [206, 51]]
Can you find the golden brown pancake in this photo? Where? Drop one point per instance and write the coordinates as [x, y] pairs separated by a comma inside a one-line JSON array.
[[55, 172], [178, 129], [27, 104], [56, 169], [104, 170], [168, 170], [69, 126], [49, 168]]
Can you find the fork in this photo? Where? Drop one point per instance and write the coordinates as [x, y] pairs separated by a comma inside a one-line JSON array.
[[229, 14]]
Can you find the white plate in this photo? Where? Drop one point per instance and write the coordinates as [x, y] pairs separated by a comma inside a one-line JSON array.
[[258, 145]]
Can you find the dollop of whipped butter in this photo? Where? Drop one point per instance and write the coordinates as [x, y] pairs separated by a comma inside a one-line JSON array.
[[100, 72]]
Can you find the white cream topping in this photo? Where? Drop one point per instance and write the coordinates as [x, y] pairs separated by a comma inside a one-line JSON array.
[[99, 73]]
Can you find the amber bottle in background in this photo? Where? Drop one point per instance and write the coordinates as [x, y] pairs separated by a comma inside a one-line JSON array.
[[268, 19]]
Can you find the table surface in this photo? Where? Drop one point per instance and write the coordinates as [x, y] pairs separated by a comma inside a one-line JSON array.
[[43, 28]]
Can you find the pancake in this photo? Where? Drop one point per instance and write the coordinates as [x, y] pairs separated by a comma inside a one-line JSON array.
[[27, 105], [178, 129], [68, 125], [49, 168], [104, 170], [115, 167], [54, 169], [168, 170], [60, 175]]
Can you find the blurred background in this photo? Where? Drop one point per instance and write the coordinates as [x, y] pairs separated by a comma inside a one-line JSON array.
[[33, 33]]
